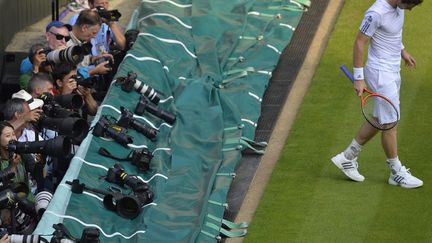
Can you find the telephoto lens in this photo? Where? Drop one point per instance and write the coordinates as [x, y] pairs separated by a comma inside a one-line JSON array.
[[72, 55], [57, 147], [127, 120], [144, 104], [69, 101]]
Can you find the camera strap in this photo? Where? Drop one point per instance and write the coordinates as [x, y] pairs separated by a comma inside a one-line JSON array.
[[104, 152]]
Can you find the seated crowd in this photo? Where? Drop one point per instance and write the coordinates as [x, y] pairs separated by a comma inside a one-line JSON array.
[[62, 83]]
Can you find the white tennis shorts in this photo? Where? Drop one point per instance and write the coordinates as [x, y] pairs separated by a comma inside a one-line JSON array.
[[386, 84]]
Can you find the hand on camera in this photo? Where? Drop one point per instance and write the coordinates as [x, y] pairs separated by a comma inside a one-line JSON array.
[[16, 159], [103, 68], [69, 86], [83, 91], [33, 115]]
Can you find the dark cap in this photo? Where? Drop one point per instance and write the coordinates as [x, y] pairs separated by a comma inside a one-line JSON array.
[[57, 24]]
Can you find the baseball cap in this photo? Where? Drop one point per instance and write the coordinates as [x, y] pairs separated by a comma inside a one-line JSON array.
[[33, 102], [57, 24]]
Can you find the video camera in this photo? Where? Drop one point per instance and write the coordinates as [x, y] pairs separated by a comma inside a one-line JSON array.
[[106, 128], [127, 121], [130, 82], [110, 15]]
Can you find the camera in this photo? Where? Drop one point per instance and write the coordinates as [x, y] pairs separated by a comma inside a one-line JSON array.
[[72, 54], [53, 109], [141, 159], [23, 213], [144, 104], [105, 59], [110, 15], [68, 101], [62, 235], [126, 120], [56, 147], [73, 127], [130, 82], [126, 206], [106, 128], [85, 82], [117, 175]]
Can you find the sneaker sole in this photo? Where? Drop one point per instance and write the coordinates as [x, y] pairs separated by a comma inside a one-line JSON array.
[[394, 183], [335, 163]]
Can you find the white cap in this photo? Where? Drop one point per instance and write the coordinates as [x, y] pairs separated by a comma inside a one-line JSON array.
[[33, 102]]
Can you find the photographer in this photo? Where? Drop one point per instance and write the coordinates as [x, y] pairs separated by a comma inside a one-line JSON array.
[[65, 80], [109, 34], [86, 27], [21, 110], [56, 36], [15, 164]]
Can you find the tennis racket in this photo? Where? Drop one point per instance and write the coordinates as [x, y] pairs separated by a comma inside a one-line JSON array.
[[373, 104]]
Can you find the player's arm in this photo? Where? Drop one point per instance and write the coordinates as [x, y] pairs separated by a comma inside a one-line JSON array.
[[360, 44], [410, 62]]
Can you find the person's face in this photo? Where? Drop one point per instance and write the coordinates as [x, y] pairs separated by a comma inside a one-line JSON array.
[[406, 6], [47, 87], [89, 32], [57, 37], [7, 135], [101, 3], [69, 76]]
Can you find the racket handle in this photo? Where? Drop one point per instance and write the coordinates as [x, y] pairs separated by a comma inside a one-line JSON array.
[[347, 72]]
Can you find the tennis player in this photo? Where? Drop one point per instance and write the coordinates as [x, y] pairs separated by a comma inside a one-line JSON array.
[[381, 28]]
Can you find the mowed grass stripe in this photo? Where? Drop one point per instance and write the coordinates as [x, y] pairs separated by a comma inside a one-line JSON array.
[[308, 199]]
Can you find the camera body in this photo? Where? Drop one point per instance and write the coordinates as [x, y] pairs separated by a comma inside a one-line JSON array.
[[141, 159], [85, 82], [106, 128], [105, 59], [109, 15]]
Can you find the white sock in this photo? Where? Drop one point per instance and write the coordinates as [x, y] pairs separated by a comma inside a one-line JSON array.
[[394, 164], [352, 151]]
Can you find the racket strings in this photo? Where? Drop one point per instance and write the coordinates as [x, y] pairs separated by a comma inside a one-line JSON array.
[[380, 112]]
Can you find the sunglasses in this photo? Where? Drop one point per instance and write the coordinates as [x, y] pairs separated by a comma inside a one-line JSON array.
[[61, 37]]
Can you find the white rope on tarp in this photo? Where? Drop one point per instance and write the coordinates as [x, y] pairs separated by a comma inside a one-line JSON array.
[[168, 1], [96, 226], [166, 15], [171, 41]]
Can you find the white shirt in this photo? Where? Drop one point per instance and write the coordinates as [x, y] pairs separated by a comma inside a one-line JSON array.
[[383, 24]]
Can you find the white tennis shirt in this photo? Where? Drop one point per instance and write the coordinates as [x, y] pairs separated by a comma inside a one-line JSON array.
[[383, 24]]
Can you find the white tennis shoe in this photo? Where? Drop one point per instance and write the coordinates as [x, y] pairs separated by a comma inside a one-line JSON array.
[[348, 167], [404, 179]]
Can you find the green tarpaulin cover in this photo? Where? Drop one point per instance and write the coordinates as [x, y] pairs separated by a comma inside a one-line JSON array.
[[211, 60]]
